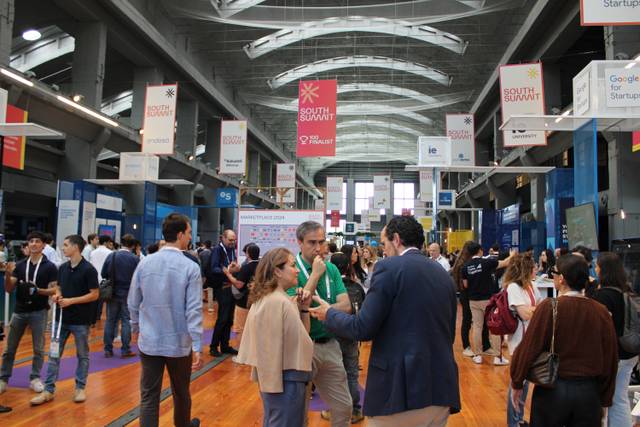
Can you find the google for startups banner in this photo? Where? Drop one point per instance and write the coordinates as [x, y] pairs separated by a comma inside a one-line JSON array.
[[233, 147], [461, 130], [521, 92], [286, 178], [159, 119], [316, 118]]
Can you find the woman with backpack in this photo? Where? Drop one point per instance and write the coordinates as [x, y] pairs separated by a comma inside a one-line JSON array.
[[523, 298], [613, 285]]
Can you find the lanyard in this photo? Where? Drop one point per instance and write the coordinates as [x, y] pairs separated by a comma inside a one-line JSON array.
[[225, 254], [55, 333], [35, 273], [306, 274]]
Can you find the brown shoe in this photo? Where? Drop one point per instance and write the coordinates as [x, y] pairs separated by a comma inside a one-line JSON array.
[[41, 398], [80, 395]]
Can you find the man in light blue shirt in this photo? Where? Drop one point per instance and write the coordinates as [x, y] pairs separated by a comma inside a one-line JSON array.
[[165, 304]]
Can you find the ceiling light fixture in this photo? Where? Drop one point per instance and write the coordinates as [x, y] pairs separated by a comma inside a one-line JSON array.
[[16, 77], [87, 111], [77, 97], [31, 35]]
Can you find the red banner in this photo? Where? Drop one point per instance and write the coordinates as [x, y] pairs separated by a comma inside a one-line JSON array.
[[335, 218], [14, 146], [317, 118], [636, 141]]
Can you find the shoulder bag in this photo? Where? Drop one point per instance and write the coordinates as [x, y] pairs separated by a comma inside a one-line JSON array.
[[106, 285], [544, 369], [630, 339]]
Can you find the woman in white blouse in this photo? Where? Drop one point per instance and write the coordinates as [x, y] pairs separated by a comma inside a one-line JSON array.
[[523, 297]]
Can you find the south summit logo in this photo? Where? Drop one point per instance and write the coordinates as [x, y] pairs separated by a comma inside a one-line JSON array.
[[309, 93]]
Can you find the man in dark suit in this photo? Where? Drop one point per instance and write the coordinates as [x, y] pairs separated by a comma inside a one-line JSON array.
[[410, 315]]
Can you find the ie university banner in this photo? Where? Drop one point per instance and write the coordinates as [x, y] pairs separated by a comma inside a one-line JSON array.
[[522, 92], [316, 118], [159, 119]]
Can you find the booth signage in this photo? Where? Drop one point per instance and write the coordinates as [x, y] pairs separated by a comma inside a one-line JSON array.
[[447, 199], [139, 166], [382, 192], [334, 193], [316, 118], [622, 87], [14, 146], [350, 228], [522, 92], [581, 93], [233, 147], [609, 12], [158, 126], [227, 197], [434, 151], [461, 130], [286, 178], [426, 186]]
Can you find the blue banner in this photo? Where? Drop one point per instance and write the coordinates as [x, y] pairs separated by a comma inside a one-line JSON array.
[[227, 197], [585, 162]]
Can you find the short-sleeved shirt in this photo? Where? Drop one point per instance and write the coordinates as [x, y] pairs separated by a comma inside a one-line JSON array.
[[480, 279], [518, 296], [245, 275], [336, 287], [47, 273], [76, 282]]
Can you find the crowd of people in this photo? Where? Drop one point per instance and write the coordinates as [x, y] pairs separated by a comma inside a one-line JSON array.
[[301, 316]]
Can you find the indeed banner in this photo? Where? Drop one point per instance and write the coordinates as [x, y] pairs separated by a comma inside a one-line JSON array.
[[334, 193], [461, 130], [286, 179], [316, 118], [233, 147], [522, 92], [159, 119]]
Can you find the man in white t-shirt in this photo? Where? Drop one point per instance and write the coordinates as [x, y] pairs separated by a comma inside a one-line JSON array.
[[92, 245], [97, 258], [434, 253]]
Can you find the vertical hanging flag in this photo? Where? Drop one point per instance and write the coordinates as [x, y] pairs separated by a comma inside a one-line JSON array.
[[461, 130], [635, 141], [335, 218], [426, 186], [334, 193], [14, 146], [158, 126], [522, 92], [317, 118], [382, 191], [286, 181], [233, 147]]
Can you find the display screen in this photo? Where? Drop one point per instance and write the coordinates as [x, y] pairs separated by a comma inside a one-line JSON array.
[[581, 226]]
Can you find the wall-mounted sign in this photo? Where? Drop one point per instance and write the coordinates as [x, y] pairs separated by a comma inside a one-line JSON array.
[[159, 128], [233, 147], [609, 12], [317, 118], [461, 130]]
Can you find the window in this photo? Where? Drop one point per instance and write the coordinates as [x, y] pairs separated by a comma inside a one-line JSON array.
[[331, 229], [343, 211], [364, 190], [404, 196]]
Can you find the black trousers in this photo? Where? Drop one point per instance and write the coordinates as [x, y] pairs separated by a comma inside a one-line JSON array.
[[465, 326], [179, 369], [571, 403], [222, 329]]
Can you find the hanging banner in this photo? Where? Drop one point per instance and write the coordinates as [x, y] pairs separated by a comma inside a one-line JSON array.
[[335, 218], [317, 118], [426, 186], [14, 146], [609, 12], [334, 193], [286, 178], [522, 92], [233, 147], [434, 151], [635, 146], [461, 130], [365, 222], [158, 125], [374, 213], [382, 191]]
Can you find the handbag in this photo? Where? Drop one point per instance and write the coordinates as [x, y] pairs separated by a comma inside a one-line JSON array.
[[105, 287], [544, 369]]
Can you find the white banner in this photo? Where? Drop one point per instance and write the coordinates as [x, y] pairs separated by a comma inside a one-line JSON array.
[[68, 220], [382, 192], [622, 87], [374, 213], [88, 219], [522, 92], [434, 151], [461, 130], [334, 193], [426, 186], [159, 119], [286, 178], [609, 12], [233, 147], [581, 93], [138, 167], [365, 222]]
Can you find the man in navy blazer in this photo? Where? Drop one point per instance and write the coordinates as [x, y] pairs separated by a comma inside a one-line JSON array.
[[410, 315]]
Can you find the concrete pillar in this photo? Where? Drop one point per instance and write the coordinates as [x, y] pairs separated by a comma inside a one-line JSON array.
[[7, 16], [254, 168], [623, 41], [212, 153], [498, 139], [142, 77], [538, 193], [133, 196], [227, 219], [351, 199], [187, 129], [266, 170], [87, 74], [79, 161]]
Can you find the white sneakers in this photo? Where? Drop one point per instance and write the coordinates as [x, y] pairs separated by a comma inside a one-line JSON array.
[[3, 386], [80, 395], [477, 359], [500, 361], [468, 352], [36, 385], [41, 398]]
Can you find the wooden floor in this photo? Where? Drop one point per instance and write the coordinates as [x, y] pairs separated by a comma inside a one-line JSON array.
[[223, 396]]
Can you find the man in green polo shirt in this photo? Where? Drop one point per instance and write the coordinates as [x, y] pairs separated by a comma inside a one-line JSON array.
[[323, 278]]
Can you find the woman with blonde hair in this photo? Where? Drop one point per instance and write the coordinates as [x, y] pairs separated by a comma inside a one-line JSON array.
[[368, 263], [523, 298], [276, 340]]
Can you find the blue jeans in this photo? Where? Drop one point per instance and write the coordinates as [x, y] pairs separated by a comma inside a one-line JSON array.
[[37, 322], [516, 415], [117, 311], [351, 359], [81, 337], [619, 414], [286, 409]]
